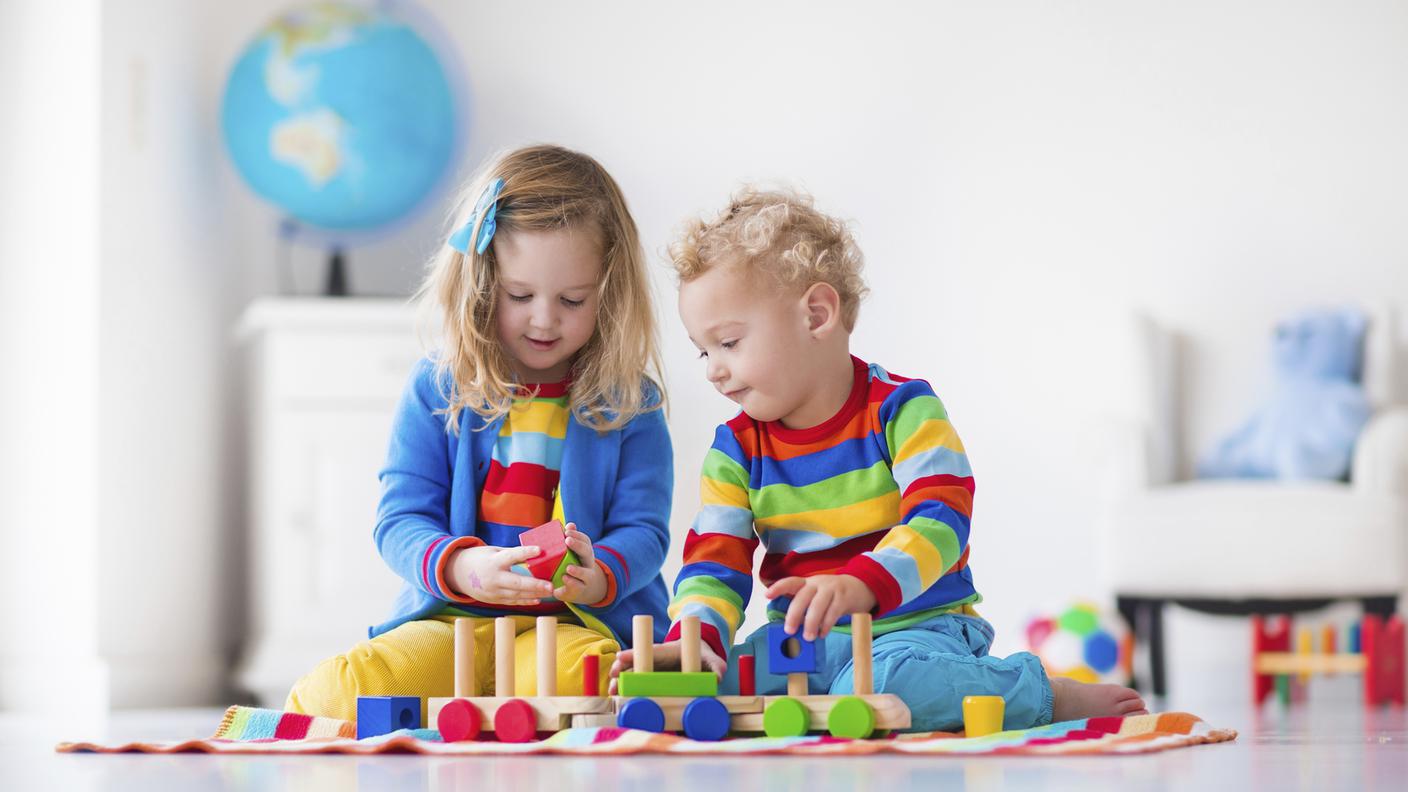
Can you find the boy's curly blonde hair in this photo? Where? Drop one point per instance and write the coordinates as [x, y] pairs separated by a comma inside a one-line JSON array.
[[777, 234]]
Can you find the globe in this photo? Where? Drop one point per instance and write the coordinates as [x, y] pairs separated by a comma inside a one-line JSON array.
[[1083, 643], [341, 116]]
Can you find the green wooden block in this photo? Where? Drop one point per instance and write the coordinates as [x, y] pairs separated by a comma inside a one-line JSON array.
[[850, 717], [786, 717], [569, 558], [668, 683], [1283, 689]]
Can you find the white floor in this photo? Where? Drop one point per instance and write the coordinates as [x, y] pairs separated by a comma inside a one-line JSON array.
[[1316, 747]]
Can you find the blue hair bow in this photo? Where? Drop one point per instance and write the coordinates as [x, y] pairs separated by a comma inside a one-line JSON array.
[[488, 208]]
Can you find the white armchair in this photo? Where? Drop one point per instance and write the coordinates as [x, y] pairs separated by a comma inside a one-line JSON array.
[[1246, 546]]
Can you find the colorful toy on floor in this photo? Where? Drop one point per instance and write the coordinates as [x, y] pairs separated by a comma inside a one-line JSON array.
[[385, 714], [686, 700], [1083, 643], [982, 715], [1375, 649]]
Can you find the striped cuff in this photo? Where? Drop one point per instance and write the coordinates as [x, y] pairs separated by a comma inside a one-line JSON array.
[[437, 558], [707, 632], [880, 582], [610, 586]]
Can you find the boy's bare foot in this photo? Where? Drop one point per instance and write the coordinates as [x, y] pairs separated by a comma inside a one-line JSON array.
[[1072, 700]]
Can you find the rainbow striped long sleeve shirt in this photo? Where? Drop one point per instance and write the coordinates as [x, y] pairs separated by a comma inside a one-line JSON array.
[[882, 491]]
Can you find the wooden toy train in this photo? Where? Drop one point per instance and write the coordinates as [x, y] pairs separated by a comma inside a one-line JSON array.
[[687, 700]]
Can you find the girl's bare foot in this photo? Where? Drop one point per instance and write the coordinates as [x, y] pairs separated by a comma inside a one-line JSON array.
[[1072, 700]]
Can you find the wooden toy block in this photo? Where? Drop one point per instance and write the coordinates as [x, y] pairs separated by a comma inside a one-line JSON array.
[[591, 675], [667, 683], [547, 655], [516, 721], [890, 712], [594, 720], [552, 714], [1277, 663], [705, 719], [1276, 639], [385, 714], [862, 654], [459, 721], [550, 537], [643, 643], [851, 718], [1383, 646], [673, 707], [1351, 640], [1304, 647], [982, 715], [1327, 639], [747, 675], [505, 631], [641, 713], [466, 684], [788, 654]]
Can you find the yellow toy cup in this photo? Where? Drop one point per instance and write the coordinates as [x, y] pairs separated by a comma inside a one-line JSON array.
[[982, 715]]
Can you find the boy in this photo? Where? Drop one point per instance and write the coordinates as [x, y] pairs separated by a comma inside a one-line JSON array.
[[852, 478]]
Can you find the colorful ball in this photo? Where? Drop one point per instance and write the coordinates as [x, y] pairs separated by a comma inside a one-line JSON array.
[[1082, 643]]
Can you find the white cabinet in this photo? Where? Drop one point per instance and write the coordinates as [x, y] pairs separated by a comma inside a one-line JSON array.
[[325, 376]]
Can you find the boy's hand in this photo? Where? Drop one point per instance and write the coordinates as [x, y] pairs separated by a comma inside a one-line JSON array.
[[820, 600], [666, 658], [484, 573], [585, 584]]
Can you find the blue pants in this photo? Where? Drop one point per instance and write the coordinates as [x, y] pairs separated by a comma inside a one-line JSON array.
[[931, 666]]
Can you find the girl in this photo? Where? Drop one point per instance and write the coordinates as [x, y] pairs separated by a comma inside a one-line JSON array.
[[543, 402]]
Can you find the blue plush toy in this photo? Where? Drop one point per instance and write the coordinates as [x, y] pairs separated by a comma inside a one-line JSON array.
[[1308, 429]]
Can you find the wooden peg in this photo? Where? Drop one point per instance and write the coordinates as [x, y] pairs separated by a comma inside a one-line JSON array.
[[861, 654], [466, 684], [505, 633], [689, 644], [547, 655], [643, 642]]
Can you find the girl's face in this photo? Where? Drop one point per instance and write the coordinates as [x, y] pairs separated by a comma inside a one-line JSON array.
[[547, 299]]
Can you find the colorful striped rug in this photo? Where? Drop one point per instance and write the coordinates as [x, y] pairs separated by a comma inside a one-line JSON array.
[[247, 730]]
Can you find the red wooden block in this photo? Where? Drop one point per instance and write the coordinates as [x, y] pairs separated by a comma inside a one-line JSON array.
[[1383, 646], [515, 722], [591, 675], [747, 676], [551, 539], [459, 721], [1277, 639]]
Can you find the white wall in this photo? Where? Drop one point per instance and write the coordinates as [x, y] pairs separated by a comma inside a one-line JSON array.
[[1020, 175], [49, 295]]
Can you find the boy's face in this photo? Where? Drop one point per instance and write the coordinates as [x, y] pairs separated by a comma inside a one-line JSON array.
[[754, 339], [547, 299]]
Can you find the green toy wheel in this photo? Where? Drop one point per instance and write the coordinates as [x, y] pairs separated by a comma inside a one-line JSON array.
[[786, 717], [851, 717]]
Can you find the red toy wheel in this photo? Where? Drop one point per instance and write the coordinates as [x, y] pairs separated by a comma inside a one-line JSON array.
[[515, 722], [459, 721]]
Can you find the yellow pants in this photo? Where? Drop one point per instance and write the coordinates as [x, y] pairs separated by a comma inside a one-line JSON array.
[[417, 659]]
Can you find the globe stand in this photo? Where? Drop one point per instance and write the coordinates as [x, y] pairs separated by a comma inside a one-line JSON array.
[[337, 275]]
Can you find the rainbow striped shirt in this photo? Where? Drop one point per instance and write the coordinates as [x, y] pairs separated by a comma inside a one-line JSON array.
[[521, 485], [882, 491]]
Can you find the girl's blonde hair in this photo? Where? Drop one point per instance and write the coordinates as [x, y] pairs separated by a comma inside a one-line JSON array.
[[779, 235], [616, 376]]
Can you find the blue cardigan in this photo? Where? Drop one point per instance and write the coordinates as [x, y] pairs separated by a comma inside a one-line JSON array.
[[616, 486]]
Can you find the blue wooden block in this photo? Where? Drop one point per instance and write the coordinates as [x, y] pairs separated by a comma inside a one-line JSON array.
[[641, 713], [385, 714], [779, 663], [705, 719]]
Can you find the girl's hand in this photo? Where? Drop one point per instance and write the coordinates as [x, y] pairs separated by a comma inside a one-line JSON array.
[[484, 573], [666, 658], [585, 584], [820, 600]]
